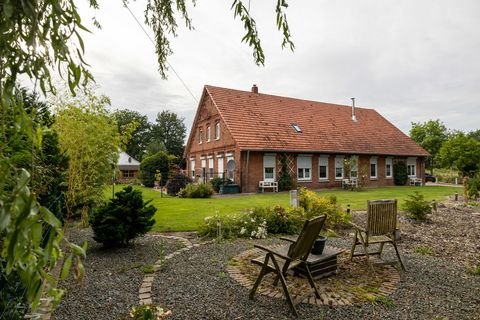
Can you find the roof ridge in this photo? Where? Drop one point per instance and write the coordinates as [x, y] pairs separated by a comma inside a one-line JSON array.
[[289, 98]]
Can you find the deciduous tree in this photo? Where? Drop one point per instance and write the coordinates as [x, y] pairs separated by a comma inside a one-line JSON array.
[[170, 131], [91, 140], [140, 136], [430, 135], [462, 153]]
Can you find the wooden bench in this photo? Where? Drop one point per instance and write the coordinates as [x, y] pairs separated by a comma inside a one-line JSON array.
[[268, 185]]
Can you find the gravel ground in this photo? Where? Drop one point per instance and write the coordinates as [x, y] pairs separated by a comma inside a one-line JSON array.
[[112, 277], [195, 285]]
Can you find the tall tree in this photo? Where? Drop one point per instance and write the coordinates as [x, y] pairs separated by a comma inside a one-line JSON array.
[[39, 37], [140, 137], [474, 134], [462, 153], [91, 140], [430, 135], [170, 130]]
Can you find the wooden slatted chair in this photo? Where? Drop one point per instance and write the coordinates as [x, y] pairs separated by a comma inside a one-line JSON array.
[[380, 229], [280, 261]]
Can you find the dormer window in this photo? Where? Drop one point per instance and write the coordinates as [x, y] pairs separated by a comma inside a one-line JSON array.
[[296, 127]]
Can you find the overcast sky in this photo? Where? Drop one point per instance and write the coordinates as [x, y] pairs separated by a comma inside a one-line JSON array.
[[411, 60]]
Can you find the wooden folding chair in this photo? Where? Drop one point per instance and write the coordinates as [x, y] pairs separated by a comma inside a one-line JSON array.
[[380, 229], [280, 261]]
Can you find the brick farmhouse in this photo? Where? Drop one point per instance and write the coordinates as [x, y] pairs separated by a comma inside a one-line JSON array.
[[250, 137]]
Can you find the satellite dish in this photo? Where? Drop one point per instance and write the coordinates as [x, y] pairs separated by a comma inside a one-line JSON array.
[[231, 165]]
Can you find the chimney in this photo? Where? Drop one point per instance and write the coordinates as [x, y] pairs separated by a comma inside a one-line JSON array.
[[255, 89], [354, 117]]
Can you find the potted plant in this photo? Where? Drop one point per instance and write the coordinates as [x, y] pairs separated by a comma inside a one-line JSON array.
[[319, 245]]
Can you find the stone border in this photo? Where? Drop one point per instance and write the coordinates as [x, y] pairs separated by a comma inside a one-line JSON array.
[[339, 298]]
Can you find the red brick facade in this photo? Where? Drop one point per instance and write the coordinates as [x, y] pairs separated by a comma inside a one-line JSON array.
[[208, 151]]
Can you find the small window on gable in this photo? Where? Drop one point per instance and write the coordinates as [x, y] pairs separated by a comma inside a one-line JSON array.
[[296, 127], [217, 130]]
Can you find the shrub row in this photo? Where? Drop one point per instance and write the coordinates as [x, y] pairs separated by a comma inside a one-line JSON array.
[[259, 222]]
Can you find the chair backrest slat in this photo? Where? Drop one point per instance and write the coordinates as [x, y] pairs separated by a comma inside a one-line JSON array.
[[311, 229], [381, 216]]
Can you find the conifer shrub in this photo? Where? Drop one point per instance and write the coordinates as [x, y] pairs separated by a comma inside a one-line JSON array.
[[123, 218], [417, 207]]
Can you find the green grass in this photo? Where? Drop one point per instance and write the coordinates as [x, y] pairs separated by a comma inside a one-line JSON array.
[[424, 250], [175, 214]]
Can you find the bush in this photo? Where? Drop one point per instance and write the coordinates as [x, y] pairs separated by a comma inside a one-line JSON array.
[[123, 218], [315, 206], [217, 182], [201, 190], [149, 166], [13, 302], [417, 207], [256, 223], [473, 188], [177, 182], [400, 175]]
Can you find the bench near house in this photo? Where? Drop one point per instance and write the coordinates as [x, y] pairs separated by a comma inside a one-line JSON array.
[[249, 137]]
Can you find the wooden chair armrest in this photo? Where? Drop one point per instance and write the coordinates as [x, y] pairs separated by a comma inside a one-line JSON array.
[[288, 239], [271, 251], [358, 227]]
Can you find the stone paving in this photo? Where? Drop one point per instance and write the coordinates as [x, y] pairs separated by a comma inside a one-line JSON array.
[[352, 285]]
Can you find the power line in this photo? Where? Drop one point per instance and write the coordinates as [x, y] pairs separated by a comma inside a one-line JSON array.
[[168, 63]]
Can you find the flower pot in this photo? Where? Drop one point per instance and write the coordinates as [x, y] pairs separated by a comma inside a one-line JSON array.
[[319, 245]]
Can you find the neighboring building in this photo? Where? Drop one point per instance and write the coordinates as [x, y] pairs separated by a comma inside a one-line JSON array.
[[129, 168], [248, 136]]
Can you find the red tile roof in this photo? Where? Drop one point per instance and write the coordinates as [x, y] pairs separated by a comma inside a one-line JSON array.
[[264, 122]]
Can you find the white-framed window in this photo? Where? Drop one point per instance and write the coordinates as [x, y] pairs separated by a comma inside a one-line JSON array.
[[388, 167], [269, 167], [412, 167], [373, 167], [323, 168], [210, 167], [339, 167], [192, 168], [230, 173], [204, 168], [200, 136], [220, 169], [217, 130], [304, 167], [208, 133]]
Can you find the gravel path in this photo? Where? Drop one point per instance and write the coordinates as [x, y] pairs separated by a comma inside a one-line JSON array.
[[112, 277], [195, 285]]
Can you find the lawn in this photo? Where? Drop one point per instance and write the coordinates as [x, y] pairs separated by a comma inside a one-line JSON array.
[[175, 214]]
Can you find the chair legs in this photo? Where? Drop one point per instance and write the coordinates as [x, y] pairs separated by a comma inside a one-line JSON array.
[[360, 240], [279, 276], [263, 272], [398, 256]]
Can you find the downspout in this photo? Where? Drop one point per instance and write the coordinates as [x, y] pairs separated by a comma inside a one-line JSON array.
[[246, 169]]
